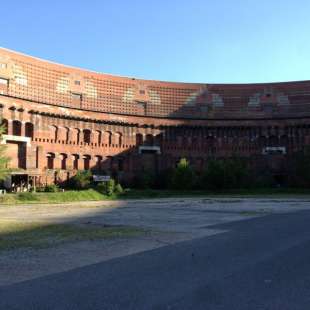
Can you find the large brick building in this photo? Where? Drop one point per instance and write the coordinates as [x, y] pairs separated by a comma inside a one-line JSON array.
[[60, 119]]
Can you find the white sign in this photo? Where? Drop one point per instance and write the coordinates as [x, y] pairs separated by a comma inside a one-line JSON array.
[[101, 178]]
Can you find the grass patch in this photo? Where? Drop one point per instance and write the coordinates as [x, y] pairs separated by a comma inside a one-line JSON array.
[[14, 235], [258, 192], [93, 195], [58, 197]]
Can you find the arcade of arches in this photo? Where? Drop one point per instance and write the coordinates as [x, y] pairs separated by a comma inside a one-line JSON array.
[[52, 144]]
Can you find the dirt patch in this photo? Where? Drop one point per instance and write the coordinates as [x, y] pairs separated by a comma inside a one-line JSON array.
[[16, 234]]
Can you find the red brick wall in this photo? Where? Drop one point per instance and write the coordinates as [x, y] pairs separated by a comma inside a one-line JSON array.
[[196, 121]]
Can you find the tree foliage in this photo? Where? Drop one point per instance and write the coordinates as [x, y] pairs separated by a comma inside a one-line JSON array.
[[302, 170], [82, 179], [226, 174], [4, 160], [183, 177]]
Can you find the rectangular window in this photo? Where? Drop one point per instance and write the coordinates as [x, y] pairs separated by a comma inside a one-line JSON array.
[[4, 81], [3, 66], [76, 96], [77, 82]]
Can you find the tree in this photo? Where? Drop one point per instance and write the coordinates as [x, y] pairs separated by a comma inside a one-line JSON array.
[[236, 173], [214, 176], [302, 170], [226, 174], [4, 160], [82, 179]]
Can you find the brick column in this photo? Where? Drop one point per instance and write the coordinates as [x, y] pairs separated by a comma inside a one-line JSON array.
[[57, 161], [23, 129], [92, 162], [70, 159], [10, 127]]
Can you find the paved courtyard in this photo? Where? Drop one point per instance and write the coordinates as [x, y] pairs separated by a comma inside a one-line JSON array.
[[167, 221]]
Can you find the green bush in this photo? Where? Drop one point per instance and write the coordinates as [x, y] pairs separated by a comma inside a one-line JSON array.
[[302, 170], [82, 180], [119, 189], [214, 176], [183, 177], [230, 173], [110, 187], [106, 188], [52, 188], [236, 173], [101, 187]]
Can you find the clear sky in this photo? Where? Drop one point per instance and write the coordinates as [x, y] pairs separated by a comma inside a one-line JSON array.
[[210, 41]]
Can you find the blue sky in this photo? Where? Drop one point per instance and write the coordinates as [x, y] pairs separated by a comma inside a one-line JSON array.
[[240, 41]]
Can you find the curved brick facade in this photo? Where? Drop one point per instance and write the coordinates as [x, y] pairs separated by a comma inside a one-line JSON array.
[[60, 119]]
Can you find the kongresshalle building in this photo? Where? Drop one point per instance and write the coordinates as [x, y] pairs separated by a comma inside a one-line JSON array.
[[61, 119]]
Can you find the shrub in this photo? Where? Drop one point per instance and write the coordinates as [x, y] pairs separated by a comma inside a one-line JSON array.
[[52, 188], [119, 189], [236, 173], [101, 187], [214, 176], [226, 174], [110, 187], [82, 179], [183, 177], [302, 170]]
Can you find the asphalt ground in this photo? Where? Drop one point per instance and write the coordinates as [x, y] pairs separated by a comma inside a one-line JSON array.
[[259, 263]]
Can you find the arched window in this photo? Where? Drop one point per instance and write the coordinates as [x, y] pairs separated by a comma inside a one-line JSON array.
[[159, 139], [86, 135], [54, 133], [29, 130], [118, 139], [63, 158], [76, 161], [149, 140], [98, 162], [139, 139], [67, 134], [107, 137], [86, 162], [17, 128], [98, 132], [50, 160], [76, 135]]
